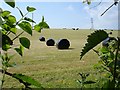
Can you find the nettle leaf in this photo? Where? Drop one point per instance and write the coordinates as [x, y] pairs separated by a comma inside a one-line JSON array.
[[11, 19], [37, 28], [26, 80], [30, 9], [20, 50], [26, 27], [25, 42], [20, 12], [10, 3], [28, 19], [94, 39], [5, 13]]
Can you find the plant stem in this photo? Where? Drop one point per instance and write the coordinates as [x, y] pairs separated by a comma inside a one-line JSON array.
[[116, 55], [21, 19], [18, 35]]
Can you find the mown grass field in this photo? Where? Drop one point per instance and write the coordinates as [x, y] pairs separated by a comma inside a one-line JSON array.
[[51, 67]]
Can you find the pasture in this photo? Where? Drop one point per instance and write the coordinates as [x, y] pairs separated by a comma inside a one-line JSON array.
[[51, 67]]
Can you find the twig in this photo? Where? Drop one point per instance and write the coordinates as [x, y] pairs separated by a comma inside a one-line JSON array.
[[18, 35], [108, 8]]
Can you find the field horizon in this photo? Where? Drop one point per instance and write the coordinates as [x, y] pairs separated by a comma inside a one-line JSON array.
[[52, 67]]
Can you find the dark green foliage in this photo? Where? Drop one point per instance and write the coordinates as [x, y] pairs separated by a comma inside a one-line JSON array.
[[26, 27], [93, 40], [84, 80], [6, 42], [9, 24], [41, 25], [26, 80], [30, 9], [19, 50], [25, 42], [10, 2], [28, 19]]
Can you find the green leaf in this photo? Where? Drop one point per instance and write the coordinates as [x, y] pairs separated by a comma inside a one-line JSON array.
[[6, 27], [25, 42], [30, 9], [13, 30], [19, 50], [6, 40], [20, 12], [11, 19], [37, 28], [93, 40], [10, 3], [26, 27], [89, 82], [108, 84], [5, 13], [26, 80], [5, 47], [43, 25], [28, 19]]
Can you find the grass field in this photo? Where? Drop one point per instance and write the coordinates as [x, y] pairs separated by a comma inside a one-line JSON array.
[[51, 67]]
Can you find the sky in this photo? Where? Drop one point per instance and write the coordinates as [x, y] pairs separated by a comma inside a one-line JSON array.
[[69, 14]]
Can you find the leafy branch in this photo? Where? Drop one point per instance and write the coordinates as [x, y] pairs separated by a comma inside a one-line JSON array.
[[94, 39]]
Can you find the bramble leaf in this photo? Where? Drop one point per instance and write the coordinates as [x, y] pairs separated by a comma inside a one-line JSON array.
[[94, 39], [25, 42]]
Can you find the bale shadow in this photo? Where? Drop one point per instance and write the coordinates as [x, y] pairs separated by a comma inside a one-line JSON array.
[[66, 49]]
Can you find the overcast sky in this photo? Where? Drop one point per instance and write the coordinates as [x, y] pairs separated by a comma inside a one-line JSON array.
[[70, 14]]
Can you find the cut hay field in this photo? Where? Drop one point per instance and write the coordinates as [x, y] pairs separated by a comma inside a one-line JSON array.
[[51, 67]]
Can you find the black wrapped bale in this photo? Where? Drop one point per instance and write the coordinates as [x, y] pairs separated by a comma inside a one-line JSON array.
[[73, 28], [63, 44], [77, 28], [42, 38], [110, 33], [50, 42]]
